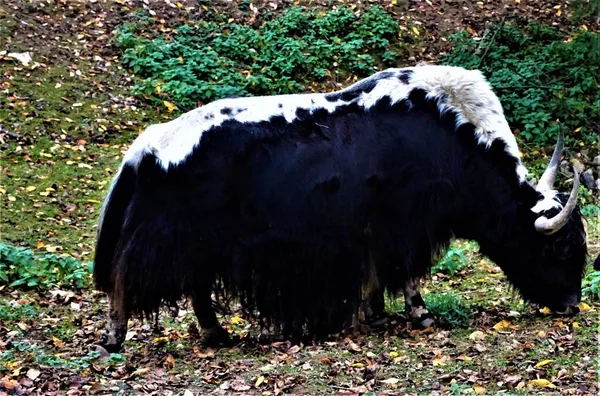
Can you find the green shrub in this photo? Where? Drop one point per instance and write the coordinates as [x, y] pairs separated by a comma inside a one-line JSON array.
[[591, 285], [449, 307], [453, 260], [21, 267], [286, 54], [540, 76]]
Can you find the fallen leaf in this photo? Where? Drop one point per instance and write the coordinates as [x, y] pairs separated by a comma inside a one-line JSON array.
[[259, 381], [237, 320], [477, 335], [30, 188], [543, 363], [57, 342], [542, 383], [415, 30], [479, 389], [584, 307], [502, 325], [169, 361], [391, 381], [464, 358], [293, 349], [33, 373], [170, 106], [546, 311]]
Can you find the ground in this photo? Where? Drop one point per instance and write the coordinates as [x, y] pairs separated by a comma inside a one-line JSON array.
[[65, 121]]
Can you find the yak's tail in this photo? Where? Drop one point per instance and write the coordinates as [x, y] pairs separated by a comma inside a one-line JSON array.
[[111, 224]]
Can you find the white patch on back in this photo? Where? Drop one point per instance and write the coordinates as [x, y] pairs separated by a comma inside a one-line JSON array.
[[466, 92]]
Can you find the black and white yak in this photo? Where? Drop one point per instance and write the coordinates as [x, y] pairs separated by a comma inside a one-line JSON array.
[[297, 204]]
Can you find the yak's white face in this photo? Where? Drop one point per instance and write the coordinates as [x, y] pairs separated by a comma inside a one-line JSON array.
[[466, 92]]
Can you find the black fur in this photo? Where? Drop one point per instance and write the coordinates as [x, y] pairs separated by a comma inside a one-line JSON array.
[[278, 213]]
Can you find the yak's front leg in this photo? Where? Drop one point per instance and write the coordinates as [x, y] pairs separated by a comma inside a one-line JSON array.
[[415, 306], [213, 332], [114, 335]]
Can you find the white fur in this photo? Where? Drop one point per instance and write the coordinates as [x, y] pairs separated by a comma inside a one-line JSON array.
[[549, 201], [464, 91]]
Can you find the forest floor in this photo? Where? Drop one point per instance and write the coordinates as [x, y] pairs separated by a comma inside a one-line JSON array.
[[66, 119]]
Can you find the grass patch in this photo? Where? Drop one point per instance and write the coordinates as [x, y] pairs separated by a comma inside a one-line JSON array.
[[449, 307], [20, 267]]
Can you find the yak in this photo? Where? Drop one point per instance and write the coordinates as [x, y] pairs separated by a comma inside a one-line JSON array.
[[297, 206]]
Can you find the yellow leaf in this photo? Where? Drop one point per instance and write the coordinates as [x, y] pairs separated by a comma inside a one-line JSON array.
[[237, 320], [52, 249], [415, 30], [169, 361], [545, 311], [543, 363], [170, 106], [557, 7], [577, 130], [39, 245], [542, 383], [558, 13], [584, 27], [357, 365], [393, 354], [45, 193], [93, 201], [30, 188], [259, 381], [160, 339], [2, 191], [57, 342], [11, 198], [479, 389], [464, 358], [584, 307], [501, 325], [141, 371], [575, 325]]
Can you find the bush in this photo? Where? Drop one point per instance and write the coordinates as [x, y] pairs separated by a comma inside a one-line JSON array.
[[452, 261], [545, 80], [21, 267], [449, 307], [209, 61]]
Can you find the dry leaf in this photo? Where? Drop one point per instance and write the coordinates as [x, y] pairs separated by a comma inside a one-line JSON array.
[[170, 106], [477, 335], [293, 349], [30, 188], [501, 325], [58, 343], [391, 381], [542, 383], [33, 374], [479, 389], [259, 381], [543, 363]]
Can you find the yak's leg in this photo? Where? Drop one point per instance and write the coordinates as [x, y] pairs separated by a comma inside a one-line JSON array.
[[214, 334], [415, 306], [113, 336]]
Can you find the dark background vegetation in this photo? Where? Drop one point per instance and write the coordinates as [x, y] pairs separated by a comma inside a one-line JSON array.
[[101, 72]]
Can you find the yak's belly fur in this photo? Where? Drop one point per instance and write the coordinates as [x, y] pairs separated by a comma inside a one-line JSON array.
[[285, 214]]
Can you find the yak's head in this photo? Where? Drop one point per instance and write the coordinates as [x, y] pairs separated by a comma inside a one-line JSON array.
[[545, 257]]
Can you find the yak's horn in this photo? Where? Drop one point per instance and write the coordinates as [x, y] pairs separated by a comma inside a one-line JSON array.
[[547, 179], [550, 226]]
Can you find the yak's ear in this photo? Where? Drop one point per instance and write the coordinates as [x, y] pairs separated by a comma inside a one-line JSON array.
[[597, 263]]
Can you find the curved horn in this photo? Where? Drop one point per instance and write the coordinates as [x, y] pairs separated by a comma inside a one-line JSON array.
[[547, 179], [550, 226]]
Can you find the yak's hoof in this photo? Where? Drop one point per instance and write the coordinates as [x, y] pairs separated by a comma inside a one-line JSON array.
[[217, 336], [424, 321], [109, 342]]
